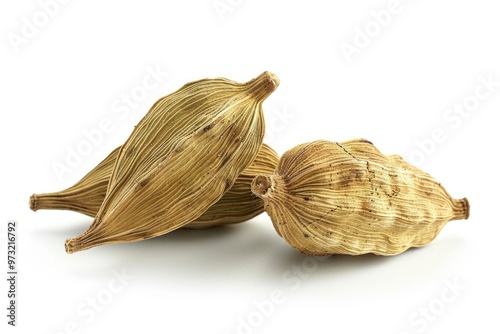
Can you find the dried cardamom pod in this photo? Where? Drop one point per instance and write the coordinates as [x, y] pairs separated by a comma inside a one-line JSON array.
[[237, 205], [348, 198], [169, 171]]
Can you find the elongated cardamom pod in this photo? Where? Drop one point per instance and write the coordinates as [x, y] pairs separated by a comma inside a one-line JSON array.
[[348, 198], [167, 176], [237, 205]]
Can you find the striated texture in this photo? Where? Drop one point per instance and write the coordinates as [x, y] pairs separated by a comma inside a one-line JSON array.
[[236, 206], [348, 198], [239, 204], [180, 159]]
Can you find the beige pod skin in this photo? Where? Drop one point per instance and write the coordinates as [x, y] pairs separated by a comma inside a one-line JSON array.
[[348, 198]]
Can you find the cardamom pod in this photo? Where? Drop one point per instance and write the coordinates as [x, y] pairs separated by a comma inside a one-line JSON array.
[[237, 205], [348, 198], [167, 176]]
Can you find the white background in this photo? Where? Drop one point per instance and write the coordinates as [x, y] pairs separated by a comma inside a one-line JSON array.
[[69, 75]]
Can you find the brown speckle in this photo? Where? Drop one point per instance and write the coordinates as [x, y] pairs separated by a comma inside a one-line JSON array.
[[144, 182], [228, 184], [224, 161]]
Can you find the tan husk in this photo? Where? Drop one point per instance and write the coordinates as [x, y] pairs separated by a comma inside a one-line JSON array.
[[166, 176], [348, 198], [236, 206]]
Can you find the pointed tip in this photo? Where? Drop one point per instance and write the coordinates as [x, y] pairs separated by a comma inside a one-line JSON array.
[[261, 185], [461, 208], [263, 85], [272, 78], [33, 203], [69, 246], [466, 205]]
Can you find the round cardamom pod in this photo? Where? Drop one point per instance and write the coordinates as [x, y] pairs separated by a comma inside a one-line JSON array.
[[348, 198]]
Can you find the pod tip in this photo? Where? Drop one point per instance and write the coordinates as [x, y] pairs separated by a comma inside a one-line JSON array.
[[461, 208], [263, 85], [69, 246], [261, 185], [273, 79], [466, 205], [32, 203]]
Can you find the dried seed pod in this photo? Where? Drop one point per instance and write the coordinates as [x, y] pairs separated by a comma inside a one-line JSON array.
[[166, 176], [348, 198], [236, 206]]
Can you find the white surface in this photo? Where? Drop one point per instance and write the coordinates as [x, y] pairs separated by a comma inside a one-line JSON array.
[[71, 75]]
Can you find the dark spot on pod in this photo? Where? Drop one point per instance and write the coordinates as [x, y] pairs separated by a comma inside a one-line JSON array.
[[227, 185], [143, 183], [207, 128], [130, 151], [226, 159]]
